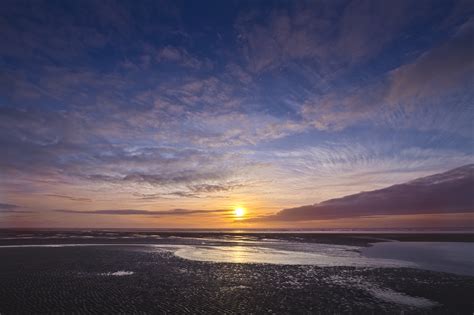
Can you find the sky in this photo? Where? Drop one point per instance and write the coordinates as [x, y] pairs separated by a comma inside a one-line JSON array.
[[171, 114]]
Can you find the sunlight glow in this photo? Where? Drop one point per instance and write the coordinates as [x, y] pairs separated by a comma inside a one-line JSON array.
[[239, 212]]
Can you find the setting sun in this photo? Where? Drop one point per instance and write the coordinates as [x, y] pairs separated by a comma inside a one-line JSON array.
[[239, 212]]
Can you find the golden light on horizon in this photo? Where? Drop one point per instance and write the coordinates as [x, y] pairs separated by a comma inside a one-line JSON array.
[[239, 212]]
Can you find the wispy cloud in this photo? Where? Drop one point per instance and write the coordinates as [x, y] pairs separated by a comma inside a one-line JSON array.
[[182, 57], [330, 35], [442, 69], [414, 95], [173, 212]]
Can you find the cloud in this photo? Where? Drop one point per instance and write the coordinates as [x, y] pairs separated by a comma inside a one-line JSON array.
[[366, 26], [330, 36], [281, 37], [165, 178], [180, 56], [449, 192], [203, 190], [11, 209], [69, 197], [173, 212], [7, 206], [446, 67], [184, 194], [63, 146], [211, 188], [431, 92]]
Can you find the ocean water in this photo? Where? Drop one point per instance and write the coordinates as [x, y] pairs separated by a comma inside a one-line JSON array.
[[452, 257]]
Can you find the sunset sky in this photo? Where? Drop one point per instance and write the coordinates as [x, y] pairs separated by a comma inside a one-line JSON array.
[[173, 114]]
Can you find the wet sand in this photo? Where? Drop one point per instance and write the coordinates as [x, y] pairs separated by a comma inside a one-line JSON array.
[[146, 279]]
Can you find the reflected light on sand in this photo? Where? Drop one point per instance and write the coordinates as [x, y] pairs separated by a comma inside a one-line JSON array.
[[238, 254]]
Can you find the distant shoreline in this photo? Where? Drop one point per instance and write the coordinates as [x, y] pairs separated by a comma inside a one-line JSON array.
[[358, 238], [464, 230]]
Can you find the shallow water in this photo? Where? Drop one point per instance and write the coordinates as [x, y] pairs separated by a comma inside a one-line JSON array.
[[452, 257], [321, 255], [263, 252]]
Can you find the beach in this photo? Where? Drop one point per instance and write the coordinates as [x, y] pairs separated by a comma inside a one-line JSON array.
[[209, 273]]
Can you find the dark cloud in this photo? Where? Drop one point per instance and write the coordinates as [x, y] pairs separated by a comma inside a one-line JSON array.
[[69, 197], [7, 206], [193, 191], [449, 192], [173, 212], [168, 177], [205, 190], [183, 194], [10, 208], [211, 188]]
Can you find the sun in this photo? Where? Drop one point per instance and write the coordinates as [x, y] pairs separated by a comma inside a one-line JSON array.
[[239, 212]]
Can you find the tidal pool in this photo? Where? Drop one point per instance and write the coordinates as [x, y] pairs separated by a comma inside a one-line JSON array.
[[322, 255]]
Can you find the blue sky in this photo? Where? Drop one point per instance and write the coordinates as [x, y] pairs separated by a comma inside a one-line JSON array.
[[209, 105]]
